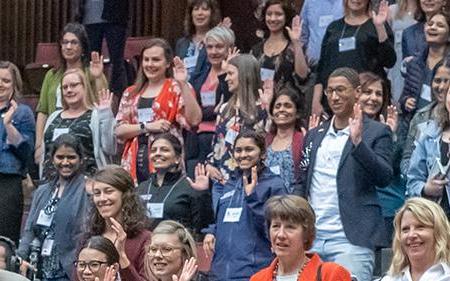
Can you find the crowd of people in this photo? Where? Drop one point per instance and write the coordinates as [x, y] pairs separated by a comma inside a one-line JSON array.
[[299, 160]]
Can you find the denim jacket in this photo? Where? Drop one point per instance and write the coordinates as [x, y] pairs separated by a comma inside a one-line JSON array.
[[424, 159], [14, 158]]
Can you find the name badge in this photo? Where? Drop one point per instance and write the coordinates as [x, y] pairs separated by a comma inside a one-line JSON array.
[[208, 98], [232, 215], [44, 219], [267, 74], [190, 62], [324, 21], [146, 197], [275, 169], [231, 136], [426, 92], [156, 210], [59, 131], [347, 44], [228, 194], [145, 115], [47, 247]]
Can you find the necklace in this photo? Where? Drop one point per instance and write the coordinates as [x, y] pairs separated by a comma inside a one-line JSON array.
[[275, 271]]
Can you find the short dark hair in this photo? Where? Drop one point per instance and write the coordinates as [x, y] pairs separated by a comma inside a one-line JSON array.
[[296, 99], [348, 73], [103, 245], [257, 137], [215, 18], [174, 142], [80, 32]]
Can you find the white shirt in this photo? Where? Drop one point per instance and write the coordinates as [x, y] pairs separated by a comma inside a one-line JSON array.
[[323, 195], [438, 272]]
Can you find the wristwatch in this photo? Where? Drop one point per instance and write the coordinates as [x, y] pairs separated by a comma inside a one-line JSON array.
[[142, 127]]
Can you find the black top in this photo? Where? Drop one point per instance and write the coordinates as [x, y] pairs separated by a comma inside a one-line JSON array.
[[190, 207], [368, 55]]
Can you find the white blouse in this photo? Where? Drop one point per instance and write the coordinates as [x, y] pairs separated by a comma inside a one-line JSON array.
[[438, 272]]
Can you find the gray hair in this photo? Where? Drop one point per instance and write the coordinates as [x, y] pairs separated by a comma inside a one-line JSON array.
[[221, 34]]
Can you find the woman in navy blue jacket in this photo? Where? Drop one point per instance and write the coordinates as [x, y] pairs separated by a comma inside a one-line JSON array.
[[17, 129], [238, 239]]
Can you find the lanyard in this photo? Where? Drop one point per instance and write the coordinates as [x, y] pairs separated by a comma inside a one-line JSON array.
[[345, 27], [50, 208], [149, 188]]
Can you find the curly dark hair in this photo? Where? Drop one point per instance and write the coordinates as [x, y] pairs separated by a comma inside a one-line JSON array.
[[134, 218], [189, 28]]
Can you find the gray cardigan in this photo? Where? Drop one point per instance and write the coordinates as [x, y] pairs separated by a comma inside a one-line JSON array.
[[69, 220]]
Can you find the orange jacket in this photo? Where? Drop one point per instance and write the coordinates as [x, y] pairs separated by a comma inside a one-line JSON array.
[[330, 271]]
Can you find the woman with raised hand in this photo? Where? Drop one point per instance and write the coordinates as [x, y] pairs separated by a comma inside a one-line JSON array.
[[74, 53], [421, 247], [160, 101], [57, 212], [167, 193], [120, 216], [90, 124], [16, 141], [172, 253], [98, 260], [237, 241], [281, 52]]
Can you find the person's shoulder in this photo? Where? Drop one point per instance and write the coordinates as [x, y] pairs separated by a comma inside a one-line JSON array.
[[11, 276], [264, 274]]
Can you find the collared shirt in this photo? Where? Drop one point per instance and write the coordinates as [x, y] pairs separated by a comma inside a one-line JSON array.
[[438, 272], [316, 16], [323, 193]]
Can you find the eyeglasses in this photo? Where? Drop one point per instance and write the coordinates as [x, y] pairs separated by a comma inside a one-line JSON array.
[[93, 266], [71, 42], [164, 250], [71, 86], [340, 91]]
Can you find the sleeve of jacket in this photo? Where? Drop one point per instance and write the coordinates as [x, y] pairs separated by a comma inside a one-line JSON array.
[[27, 128], [418, 172], [334, 272], [376, 160], [136, 271], [385, 51], [406, 50], [43, 104], [28, 235], [201, 210], [304, 36], [323, 59], [409, 145], [107, 137], [413, 82]]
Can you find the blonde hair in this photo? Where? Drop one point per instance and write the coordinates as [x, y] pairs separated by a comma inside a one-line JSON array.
[[89, 97], [430, 214], [16, 77]]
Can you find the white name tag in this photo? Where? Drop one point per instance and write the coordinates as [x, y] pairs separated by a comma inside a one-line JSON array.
[[208, 98], [324, 21], [347, 44], [228, 194], [47, 247], [426, 92], [146, 197], [156, 210], [44, 219], [145, 115], [232, 215], [276, 170], [59, 131], [190, 62], [231, 136], [267, 74]]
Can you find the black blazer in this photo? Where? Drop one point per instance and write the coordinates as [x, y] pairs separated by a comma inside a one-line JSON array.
[[361, 169], [114, 11]]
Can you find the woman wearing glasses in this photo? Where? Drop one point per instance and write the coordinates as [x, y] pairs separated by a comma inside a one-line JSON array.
[[172, 254], [92, 126], [74, 53], [120, 217], [57, 211], [97, 260]]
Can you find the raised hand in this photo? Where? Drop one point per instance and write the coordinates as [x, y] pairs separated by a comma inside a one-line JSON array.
[[201, 178], [180, 73], [226, 22], [119, 242], [214, 173], [8, 115], [266, 94], [110, 274], [96, 65], [356, 124], [209, 244], [231, 54], [435, 186], [391, 118], [295, 30], [249, 186], [105, 97], [188, 272], [383, 13]]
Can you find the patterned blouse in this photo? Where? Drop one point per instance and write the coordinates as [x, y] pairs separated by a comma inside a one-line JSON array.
[[79, 127], [281, 163], [167, 105], [227, 129]]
